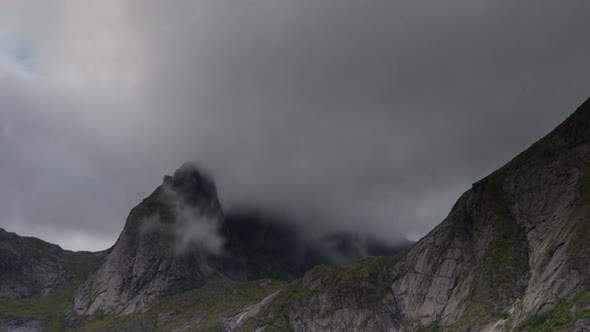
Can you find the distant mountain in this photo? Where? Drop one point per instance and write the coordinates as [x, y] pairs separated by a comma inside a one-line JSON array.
[[30, 267], [37, 280]]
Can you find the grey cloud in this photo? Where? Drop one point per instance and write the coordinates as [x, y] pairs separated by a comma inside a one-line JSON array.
[[366, 115]]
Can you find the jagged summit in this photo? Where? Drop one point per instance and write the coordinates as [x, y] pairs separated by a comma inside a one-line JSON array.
[[192, 181]]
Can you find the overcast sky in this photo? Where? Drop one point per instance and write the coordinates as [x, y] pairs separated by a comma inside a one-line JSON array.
[[370, 115]]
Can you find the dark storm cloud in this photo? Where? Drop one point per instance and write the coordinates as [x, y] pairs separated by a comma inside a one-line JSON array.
[[366, 115]]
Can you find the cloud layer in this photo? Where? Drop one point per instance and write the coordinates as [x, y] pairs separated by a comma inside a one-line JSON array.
[[364, 115]]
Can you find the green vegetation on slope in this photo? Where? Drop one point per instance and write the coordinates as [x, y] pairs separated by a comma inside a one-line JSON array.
[[198, 310], [49, 309], [476, 314], [503, 264], [579, 244], [357, 282], [560, 317]]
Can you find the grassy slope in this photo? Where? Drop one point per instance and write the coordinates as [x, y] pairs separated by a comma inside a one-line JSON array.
[[560, 317], [51, 309], [331, 281]]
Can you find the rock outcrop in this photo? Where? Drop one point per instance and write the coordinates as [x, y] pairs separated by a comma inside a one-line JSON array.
[[168, 245], [514, 253]]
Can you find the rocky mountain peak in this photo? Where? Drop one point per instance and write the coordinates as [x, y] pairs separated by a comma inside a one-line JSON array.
[[168, 244], [192, 182]]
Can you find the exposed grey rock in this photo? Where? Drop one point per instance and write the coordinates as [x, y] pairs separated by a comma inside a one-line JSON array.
[[23, 325], [582, 325]]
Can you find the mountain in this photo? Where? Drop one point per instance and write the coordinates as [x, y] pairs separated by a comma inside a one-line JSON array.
[[512, 255], [31, 267], [177, 241], [34, 269]]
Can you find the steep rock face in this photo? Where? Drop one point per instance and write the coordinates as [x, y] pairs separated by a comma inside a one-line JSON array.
[[168, 245], [31, 267], [516, 246]]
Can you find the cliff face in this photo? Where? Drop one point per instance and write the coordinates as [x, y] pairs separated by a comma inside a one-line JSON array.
[[516, 246], [168, 245]]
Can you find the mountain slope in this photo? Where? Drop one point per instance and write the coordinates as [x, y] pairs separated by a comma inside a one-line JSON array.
[[37, 280], [31, 267], [514, 253]]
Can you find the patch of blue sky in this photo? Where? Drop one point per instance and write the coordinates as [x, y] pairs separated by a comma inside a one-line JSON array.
[[19, 52]]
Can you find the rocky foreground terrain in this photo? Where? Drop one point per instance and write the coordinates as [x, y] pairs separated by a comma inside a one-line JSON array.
[[512, 255]]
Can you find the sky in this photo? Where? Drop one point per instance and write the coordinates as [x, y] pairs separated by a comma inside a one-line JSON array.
[[369, 116]]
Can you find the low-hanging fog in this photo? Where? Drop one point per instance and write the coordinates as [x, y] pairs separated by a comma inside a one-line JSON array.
[[369, 116]]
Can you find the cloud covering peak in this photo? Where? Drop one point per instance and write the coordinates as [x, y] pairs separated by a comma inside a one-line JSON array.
[[362, 115]]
